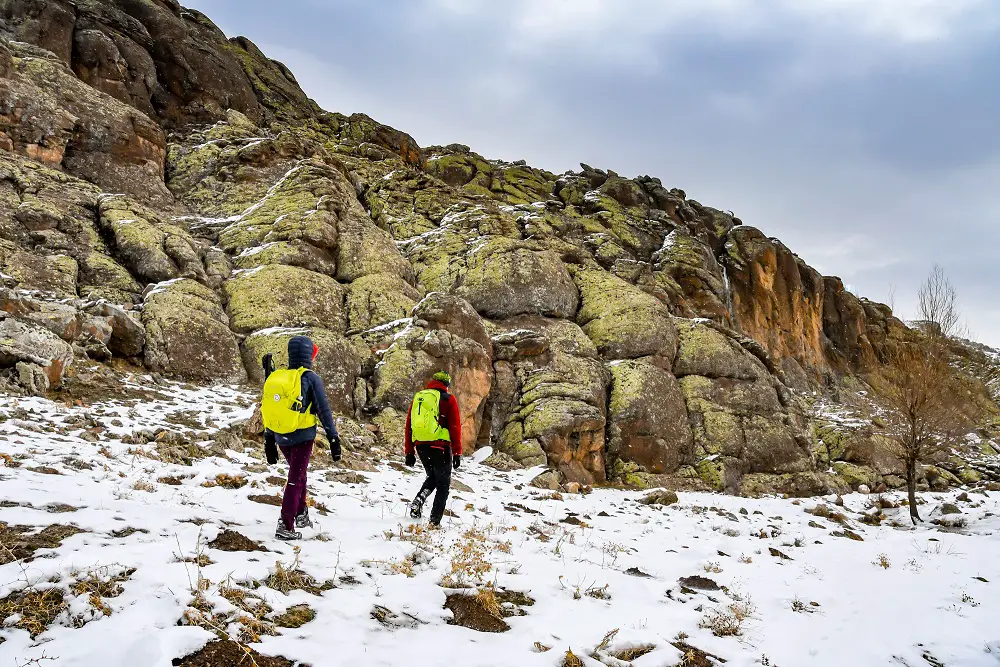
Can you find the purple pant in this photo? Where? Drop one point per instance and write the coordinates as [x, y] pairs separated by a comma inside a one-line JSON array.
[[293, 502]]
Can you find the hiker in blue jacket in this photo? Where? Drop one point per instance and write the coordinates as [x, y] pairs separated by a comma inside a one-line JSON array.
[[297, 446]]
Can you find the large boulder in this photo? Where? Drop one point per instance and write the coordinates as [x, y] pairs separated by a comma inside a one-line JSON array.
[[647, 417], [54, 273], [845, 327], [549, 401], [688, 271], [187, 333], [153, 249], [26, 343], [284, 296], [743, 418], [165, 60], [338, 362], [506, 278], [623, 321]]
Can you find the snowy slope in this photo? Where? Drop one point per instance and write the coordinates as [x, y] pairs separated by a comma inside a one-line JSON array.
[[565, 553]]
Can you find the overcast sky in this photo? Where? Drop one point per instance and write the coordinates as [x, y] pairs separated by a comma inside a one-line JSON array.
[[865, 134]]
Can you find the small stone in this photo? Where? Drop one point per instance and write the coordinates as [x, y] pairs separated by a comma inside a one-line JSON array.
[[573, 487], [864, 489], [949, 508]]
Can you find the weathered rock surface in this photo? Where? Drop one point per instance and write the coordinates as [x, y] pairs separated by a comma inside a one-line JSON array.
[[25, 344], [188, 333]]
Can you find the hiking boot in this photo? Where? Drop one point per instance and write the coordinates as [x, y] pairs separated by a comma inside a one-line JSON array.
[[417, 506], [284, 534], [303, 520]]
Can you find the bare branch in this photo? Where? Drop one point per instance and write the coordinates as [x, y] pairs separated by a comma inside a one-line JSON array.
[[938, 304]]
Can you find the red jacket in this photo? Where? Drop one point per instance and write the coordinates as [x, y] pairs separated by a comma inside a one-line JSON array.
[[452, 417]]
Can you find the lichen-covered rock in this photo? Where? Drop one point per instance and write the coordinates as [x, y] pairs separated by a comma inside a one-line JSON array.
[[704, 350], [551, 407], [844, 326], [795, 485], [45, 273], [284, 296], [689, 272], [855, 476], [187, 333], [151, 248], [338, 362], [505, 278], [647, 418], [623, 321], [23, 342], [378, 299]]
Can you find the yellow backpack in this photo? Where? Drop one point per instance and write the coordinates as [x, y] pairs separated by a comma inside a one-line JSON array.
[[281, 404], [425, 417]]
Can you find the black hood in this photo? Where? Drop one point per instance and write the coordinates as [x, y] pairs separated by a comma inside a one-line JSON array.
[[300, 352]]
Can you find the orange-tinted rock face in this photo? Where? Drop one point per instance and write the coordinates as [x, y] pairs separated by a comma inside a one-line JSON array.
[[777, 298]]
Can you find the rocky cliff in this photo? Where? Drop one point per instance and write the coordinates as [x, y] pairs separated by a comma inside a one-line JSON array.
[[172, 199]]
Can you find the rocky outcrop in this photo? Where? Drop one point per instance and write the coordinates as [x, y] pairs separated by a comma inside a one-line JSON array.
[[39, 357], [49, 115], [168, 62], [609, 327]]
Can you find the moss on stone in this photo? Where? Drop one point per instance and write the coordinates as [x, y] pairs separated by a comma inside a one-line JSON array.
[[855, 475], [378, 299], [712, 471], [703, 350], [623, 321], [282, 296]]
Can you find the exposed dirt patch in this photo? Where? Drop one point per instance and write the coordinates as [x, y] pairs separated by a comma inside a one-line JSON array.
[[699, 583], [265, 499], [45, 470], [469, 612], [59, 508], [777, 554], [345, 478], [229, 654], [77, 464], [19, 544], [230, 540], [274, 480], [517, 507], [126, 532], [636, 572], [171, 480]]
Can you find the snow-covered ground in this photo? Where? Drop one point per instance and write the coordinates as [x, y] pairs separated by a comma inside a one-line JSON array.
[[592, 563]]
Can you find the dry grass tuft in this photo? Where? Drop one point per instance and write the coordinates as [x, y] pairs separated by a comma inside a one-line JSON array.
[[571, 660], [287, 578], [295, 617], [634, 653], [825, 512], [882, 561], [36, 608], [728, 622]]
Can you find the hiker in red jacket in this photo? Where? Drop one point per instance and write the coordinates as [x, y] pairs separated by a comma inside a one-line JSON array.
[[434, 432]]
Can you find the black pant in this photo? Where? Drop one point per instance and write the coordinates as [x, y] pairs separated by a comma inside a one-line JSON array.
[[437, 463]]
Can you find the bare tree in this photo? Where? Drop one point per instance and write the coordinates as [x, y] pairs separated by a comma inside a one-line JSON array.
[[891, 298], [926, 406], [938, 304]]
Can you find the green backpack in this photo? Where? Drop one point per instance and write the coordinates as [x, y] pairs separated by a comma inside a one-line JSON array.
[[426, 419], [281, 404]]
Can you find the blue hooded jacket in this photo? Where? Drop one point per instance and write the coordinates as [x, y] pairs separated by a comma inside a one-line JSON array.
[[300, 355]]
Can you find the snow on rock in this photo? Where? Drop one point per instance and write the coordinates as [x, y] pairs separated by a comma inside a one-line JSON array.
[[568, 569]]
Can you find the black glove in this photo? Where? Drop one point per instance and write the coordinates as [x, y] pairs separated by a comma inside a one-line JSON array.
[[457, 461], [411, 460], [270, 450], [335, 447]]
